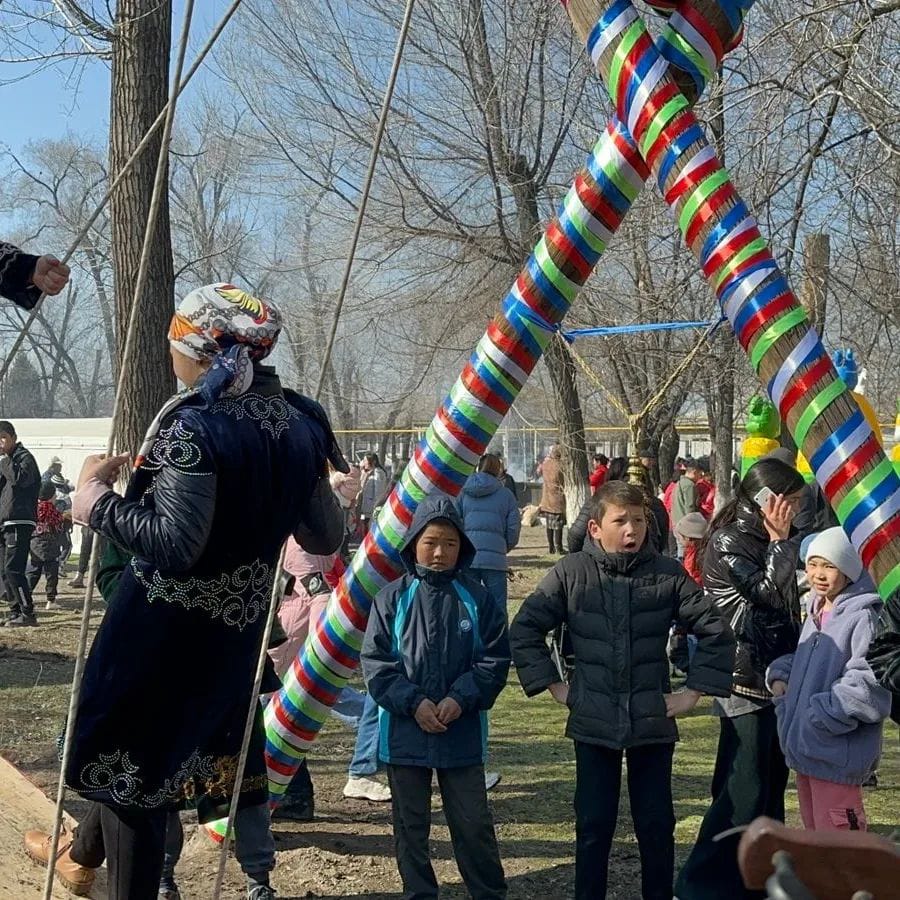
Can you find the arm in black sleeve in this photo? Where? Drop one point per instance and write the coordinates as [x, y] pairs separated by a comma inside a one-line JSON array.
[[773, 584], [321, 527], [16, 269], [711, 670], [543, 611], [578, 530], [172, 532]]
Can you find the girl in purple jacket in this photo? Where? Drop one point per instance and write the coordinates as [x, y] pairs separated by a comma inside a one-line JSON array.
[[827, 701]]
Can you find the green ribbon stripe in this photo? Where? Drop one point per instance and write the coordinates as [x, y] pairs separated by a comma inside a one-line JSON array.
[[700, 195], [369, 586], [612, 172], [670, 36], [498, 373], [742, 255], [567, 288], [890, 583], [578, 215], [670, 109], [445, 454], [863, 488], [772, 333], [626, 45], [815, 409], [457, 396]]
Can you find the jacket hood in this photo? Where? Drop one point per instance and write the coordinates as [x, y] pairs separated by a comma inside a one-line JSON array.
[[481, 484], [859, 595], [439, 506]]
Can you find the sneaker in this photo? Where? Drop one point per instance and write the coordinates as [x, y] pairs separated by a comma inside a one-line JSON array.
[[491, 780], [78, 879], [367, 789], [261, 892], [52, 605], [21, 621], [77, 581]]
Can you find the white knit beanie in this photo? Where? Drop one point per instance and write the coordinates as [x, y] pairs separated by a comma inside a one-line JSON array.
[[834, 546]]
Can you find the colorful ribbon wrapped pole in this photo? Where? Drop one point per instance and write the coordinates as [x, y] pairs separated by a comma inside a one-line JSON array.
[[770, 324], [593, 209]]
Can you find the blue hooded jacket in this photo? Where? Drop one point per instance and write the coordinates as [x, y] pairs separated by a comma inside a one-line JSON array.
[[491, 520], [434, 635]]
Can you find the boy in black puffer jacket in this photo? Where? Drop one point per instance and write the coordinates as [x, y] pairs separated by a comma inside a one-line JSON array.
[[435, 657], [618, 598]]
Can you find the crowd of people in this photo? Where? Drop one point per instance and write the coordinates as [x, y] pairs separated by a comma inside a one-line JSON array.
[[236, 464]]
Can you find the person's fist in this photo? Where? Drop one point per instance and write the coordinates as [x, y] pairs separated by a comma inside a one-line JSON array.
[[50, 275], [680, 702], [448, 710], [778, 688], [427, 718], [102, 468], [559, 691]]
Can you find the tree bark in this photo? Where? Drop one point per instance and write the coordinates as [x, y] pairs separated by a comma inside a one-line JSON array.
[[814, 289], [140, 80]]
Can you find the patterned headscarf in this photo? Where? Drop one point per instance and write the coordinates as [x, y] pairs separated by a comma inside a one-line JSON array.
[[229, 328]]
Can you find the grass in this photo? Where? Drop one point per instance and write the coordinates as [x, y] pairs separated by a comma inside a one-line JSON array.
[[348, 851]]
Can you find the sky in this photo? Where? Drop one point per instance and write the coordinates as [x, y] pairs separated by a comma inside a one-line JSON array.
[[74, 99]]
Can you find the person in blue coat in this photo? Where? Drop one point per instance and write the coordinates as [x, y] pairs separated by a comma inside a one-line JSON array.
[[492, 522], [435, 657]]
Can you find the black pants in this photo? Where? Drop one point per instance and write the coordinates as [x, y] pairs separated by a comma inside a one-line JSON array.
[[16, 550], [749, 781], [49, 568], [555, 539], [598, 778], [131, 840], [471, 830]]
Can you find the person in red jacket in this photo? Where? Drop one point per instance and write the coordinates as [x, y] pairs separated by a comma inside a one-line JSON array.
[[706, 490], [598, 476]]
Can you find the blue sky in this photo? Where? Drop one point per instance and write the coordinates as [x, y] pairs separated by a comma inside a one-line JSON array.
[[64, 99]]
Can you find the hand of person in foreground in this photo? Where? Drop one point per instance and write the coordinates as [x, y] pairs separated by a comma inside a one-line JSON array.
[[778, 688], [559, 690], [448, 710], [427, 718], [102, 468], [681, 702], [50, 276]]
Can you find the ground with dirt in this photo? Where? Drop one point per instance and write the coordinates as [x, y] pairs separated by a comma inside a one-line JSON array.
[[347, 850]]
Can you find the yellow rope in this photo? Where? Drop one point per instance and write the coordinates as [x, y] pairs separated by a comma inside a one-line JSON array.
[[636, 420]]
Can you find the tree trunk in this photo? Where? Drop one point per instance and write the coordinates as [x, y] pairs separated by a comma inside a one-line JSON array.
[[140, 80], [720, 413], [570, 421], [814, 289]]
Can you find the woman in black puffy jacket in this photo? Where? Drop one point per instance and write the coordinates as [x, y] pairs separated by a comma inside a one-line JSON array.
[[750, 572]]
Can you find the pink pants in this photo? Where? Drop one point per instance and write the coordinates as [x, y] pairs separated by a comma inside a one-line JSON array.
[[826, 806], [297, 616]]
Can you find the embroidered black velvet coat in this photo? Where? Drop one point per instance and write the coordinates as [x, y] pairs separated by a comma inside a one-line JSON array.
[[168, 681]]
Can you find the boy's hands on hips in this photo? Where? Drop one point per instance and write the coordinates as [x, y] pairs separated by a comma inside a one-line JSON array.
[[448, 710], [427, 717], [559, 690], [681, 702]]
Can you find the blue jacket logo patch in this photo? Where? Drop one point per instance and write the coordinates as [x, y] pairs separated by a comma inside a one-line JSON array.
[[465, 625]]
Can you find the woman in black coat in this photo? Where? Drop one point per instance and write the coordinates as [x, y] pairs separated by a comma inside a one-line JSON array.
[[750, 573]]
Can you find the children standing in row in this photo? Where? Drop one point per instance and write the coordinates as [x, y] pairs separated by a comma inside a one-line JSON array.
[[618, 598], [435, 657], [829, 706]]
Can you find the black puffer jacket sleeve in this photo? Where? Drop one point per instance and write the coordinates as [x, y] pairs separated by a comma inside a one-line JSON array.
[[712, 667], [16, 268], [321, 527], [774, 584], [540, 614], [170, 532]]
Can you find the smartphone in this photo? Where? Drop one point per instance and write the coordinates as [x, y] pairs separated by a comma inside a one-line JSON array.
[[762, 497]]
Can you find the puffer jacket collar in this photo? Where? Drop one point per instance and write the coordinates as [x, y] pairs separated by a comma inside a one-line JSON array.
[[619, 563]]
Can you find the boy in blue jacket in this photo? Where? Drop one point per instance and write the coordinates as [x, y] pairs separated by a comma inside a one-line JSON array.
[[435, 657]]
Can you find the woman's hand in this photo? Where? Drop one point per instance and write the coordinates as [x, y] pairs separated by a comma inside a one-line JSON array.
[[778, 514], [559, 690], [681, 702], [101, 468], [778, 688]]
